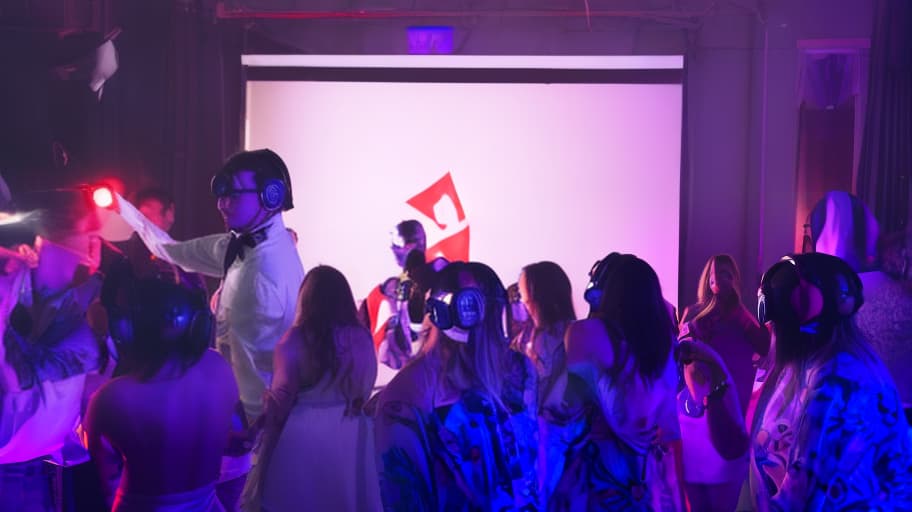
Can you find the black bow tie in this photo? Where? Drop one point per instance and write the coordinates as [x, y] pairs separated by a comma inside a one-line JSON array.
[[237, 243]]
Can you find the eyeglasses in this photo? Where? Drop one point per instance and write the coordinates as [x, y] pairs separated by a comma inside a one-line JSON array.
[[236, 192]]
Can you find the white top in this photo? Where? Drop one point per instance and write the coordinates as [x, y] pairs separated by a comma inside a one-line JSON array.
[[256, 300]]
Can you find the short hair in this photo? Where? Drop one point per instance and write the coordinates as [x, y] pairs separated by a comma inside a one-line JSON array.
[[412, 231], [266, 165], [157, 194], [60, 210]]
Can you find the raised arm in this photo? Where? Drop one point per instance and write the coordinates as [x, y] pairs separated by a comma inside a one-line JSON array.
[[708, 381], [204, 255]]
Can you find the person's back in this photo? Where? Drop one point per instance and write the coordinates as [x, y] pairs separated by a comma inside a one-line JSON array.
[[171, 429], [168, 414]]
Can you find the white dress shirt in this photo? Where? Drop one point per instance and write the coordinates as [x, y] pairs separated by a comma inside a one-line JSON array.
[[257, 298]]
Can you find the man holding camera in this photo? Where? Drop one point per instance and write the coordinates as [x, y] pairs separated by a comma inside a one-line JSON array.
[[394, 306]]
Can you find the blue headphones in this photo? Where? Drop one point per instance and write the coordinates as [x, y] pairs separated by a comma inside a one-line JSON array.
[[463, 309], [274, 193], [597, 275], [153, 306]]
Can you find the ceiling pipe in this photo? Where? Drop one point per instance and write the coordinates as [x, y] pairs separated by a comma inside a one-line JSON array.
[[684, 18]]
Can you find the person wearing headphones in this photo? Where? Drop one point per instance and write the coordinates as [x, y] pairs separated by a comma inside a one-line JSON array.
[[166, 418], [842, 225], [456, 427], [621, 371], [828, 432], [260, 271]]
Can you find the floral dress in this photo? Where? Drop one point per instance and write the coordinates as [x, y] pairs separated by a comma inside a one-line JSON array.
[[471, 455], [622, 458], [831, 436]]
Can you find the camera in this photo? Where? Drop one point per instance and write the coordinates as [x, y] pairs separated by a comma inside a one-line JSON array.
[[513, 295], [404, 289]]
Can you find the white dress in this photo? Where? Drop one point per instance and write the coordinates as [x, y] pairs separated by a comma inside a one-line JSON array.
[[324, 458]]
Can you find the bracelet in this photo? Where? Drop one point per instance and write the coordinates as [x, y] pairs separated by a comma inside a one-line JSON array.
[[716, 392]]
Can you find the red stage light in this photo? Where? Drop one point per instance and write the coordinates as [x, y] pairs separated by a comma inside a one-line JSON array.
[[103, 196]]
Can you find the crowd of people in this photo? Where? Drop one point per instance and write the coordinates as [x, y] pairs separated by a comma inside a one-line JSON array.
[[126, 385]]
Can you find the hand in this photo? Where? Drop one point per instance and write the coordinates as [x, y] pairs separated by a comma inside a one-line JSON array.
[[240, 442], [13, 271], [703, 367]]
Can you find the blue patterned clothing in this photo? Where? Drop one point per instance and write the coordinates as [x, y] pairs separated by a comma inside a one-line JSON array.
[[472, 455], [622, 459], [831, 436]]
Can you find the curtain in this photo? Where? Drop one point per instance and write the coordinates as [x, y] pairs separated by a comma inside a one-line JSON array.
[[828, 86], [886, 155]]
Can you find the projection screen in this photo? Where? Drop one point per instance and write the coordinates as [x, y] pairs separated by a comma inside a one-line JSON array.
[[505, 160]]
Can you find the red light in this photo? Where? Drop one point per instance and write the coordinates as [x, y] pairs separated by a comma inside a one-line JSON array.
[[103, 197]]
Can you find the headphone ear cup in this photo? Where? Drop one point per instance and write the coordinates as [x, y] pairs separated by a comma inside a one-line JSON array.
[[807, 301], [272, 195], [849, 299], [593, 297], [763, 308], [120, 327], [469, 308]]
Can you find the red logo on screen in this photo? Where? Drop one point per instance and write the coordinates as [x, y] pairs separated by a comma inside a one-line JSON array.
[[440, 203]]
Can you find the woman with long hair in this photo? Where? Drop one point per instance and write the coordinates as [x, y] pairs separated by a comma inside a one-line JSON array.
[[720, 320], [546, 296], [317, 448], [620, 360], [828, 432], [545, 292], [455, 428]]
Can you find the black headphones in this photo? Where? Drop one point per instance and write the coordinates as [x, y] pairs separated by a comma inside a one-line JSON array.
[[827, 291], [274, 193], [464, 309], [155, 306], [597, 275], [457, 312]]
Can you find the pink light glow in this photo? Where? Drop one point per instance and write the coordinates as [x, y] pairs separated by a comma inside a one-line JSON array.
[[563, 172]]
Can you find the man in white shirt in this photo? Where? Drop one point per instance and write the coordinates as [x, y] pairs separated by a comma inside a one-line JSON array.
[[257, 261]]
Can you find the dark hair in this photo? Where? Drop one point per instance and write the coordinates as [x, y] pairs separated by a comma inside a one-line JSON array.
[[157, 194], [896, 255], [484, 358], [266, 165], [550, 291], [60, 210], [146, 304], [633, 310], [412, 231], [325, 302]]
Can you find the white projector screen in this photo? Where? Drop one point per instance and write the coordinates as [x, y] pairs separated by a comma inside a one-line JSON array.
[[564, 159]]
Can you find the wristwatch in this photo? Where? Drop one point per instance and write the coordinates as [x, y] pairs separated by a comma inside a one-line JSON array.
[[716, 392]]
